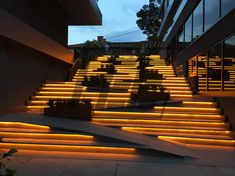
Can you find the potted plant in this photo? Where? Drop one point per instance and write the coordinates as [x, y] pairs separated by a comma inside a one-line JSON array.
[[151, 93], [69, 108], [95, 81]]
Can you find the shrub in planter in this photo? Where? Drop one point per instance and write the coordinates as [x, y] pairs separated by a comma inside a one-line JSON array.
[[69, 108], [114, 61], [151, 74], [150, 93], [110, 69], [95, 81]]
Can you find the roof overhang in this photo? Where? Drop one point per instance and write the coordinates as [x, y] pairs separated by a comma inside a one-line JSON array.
[[82, 12]]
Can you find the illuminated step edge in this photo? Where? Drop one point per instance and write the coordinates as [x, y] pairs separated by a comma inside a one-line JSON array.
[[157, 131], [153, 114], [68, 148], [177, 133], [199, 141], [172, 125], [113, 84], [81, 97], [187, 109], [164, 116], [24, 126], [159, 123], [46, 136], [82, 94], [49, 141]]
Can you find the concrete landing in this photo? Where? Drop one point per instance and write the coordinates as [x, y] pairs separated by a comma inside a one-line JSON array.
[[114, 133]]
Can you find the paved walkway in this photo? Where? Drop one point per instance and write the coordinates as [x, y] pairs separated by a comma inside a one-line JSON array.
[[211, 163]]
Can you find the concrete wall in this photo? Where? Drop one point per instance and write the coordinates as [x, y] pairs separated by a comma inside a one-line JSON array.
[[45, 16], [227, 105], [22, 69]]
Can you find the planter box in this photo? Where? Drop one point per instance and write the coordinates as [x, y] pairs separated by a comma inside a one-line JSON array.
[[147, 96], [80, 112]]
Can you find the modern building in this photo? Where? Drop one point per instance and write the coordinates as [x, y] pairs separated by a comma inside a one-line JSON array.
[[198, 39], [33, 43]]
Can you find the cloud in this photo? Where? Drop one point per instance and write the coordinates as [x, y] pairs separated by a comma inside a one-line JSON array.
[[119, 16]]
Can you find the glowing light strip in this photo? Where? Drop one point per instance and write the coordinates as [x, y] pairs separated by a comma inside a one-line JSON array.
[[186, 108], [197, 139], [67, 148], [160, 122], [46, 136], [154, 114], [23, 125], [84, 97], [141, 129]]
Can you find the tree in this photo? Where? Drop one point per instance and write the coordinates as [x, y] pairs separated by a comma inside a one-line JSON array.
[[149, 20]]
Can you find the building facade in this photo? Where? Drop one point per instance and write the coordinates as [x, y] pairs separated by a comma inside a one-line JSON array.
[[198, 39], [33, 43]]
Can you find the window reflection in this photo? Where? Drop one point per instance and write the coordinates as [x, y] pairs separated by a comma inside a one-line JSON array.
[[229, 63], [227, 6], [216, 72], [188, 30], [198, 21], [212, 12]]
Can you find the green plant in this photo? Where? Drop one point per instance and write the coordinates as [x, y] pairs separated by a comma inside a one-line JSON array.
[[4, 170], [149, 20], [161, 88]]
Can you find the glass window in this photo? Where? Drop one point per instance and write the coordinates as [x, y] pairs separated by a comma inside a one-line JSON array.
[[198, 21], [227, 6], [188, 30], [180, 41], [229, 64], [212, 13], [170, 2]]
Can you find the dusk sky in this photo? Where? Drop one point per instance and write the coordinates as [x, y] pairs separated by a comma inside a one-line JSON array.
[[119, 18]]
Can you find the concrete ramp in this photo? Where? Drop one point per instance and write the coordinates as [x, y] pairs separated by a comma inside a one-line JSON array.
[[89, 127]]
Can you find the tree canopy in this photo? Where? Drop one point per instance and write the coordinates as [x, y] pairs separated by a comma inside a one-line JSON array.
[[149, 20]]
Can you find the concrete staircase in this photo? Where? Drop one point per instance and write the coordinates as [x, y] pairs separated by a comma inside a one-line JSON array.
[[185, 119], [31, 137]]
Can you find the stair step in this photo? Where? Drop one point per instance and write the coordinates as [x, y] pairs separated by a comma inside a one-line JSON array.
[[158, 116], [46, 136], [187, 109], [24, 126], [199, 141], [84, 94], [101, 99], [180, 124], [181, 132], [69, 148], [199, 104]]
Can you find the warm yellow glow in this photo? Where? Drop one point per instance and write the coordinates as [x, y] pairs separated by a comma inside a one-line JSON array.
[[37, 107], [62, 89], [68, 148], [73, 85], [87, 93], [152, 122], [23, 125], [186, 108], [198, 103], [46, 136], [86, 97], [185, 139], [178, 130], [154, 114]]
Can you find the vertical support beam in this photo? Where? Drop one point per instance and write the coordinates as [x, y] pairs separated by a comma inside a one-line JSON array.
[[207, 71], [222, 66]]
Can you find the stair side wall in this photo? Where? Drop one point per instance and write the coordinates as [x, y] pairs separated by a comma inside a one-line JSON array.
[[23, 69]]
